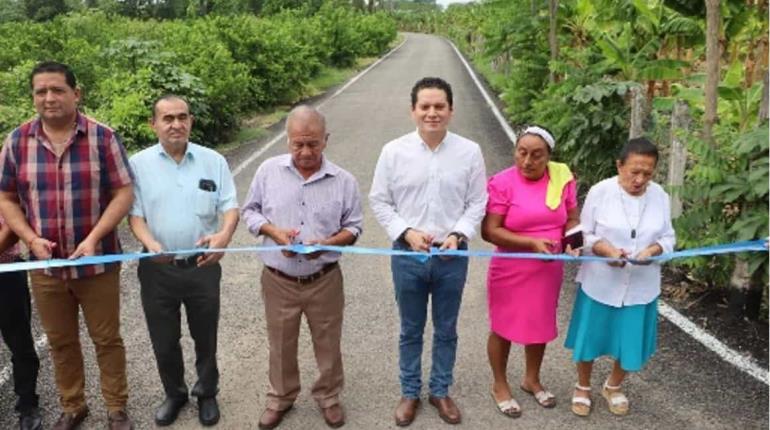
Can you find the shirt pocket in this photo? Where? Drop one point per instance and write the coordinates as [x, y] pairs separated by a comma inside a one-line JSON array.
[[327, 217], [205, 204]]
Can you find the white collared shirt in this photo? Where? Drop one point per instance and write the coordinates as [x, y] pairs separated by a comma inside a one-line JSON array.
[[436, 191], [611, 214]]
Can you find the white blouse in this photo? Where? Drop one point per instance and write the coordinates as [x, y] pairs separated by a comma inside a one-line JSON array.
[[630, 223]]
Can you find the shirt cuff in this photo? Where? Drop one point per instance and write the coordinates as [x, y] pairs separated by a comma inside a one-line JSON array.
[[396, 227], [466, 228], [254, 223]]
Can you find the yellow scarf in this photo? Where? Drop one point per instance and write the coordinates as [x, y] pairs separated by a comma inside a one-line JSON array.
[[559, 175]]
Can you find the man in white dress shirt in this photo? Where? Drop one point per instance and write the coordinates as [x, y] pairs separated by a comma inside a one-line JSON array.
[[429, 190]]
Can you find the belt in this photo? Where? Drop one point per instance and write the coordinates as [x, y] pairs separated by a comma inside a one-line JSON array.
[[307, 279], [186, 263]]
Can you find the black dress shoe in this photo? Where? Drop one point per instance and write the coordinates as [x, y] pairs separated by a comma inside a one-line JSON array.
[[31, 420], [208, 411], [169, 410]]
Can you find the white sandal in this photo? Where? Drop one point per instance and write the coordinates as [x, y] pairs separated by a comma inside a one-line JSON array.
[[581, 406], [510, 408], [616, 400]]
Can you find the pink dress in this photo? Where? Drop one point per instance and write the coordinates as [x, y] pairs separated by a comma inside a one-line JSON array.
[[523, 294]]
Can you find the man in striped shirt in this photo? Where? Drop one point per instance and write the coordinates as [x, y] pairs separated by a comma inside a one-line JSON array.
[[302, 197], [65, 184]]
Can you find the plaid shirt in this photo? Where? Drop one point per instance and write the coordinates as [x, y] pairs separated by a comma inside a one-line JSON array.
[[64, 197]]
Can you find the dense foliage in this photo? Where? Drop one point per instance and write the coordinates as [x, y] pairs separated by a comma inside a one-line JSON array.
[[607, 48], [225, 65]]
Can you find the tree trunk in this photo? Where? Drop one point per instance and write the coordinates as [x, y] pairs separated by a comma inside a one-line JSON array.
[[677, 161], [638, 113], [553, 41], [713, 24]]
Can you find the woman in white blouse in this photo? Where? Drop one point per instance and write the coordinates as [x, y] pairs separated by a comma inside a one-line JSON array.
[[627, 218]]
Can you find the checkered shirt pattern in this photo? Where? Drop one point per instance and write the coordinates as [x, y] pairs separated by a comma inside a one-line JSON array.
[[64, 197]]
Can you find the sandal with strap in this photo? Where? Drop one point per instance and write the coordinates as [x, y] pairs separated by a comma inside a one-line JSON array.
[[544, 398], [510, 408], [616, 400], [581, 406]]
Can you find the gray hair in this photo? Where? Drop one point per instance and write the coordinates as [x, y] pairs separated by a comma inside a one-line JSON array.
[[305, 113]]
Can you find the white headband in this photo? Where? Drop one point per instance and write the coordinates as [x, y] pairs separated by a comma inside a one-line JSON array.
[[543, 133]]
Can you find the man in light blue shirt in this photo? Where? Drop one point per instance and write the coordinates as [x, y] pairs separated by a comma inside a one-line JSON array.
[[180, 190]]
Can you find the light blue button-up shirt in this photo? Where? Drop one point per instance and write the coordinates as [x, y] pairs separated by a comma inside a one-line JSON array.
[[169, 197]]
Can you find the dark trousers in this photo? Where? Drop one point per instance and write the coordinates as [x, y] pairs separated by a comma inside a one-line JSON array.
[[164, 289], [15, 314]]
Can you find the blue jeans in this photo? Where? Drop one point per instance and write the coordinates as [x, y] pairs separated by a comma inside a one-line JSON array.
[[414, 281]]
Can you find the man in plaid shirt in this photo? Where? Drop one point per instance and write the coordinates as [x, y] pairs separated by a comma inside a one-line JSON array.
[[65, 184]]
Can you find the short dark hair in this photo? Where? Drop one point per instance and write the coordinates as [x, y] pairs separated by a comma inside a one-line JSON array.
[[639, 146], [54, 67], [168, 97], [429, 82]]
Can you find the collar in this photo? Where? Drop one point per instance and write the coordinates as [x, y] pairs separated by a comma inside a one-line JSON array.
[[327, 167], [441, 144], [189, 153], [81, 125]]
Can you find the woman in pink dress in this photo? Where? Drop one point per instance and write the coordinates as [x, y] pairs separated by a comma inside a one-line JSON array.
[[531, 205]]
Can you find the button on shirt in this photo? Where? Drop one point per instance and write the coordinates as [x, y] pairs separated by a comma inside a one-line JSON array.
[[610, 213], [168, 195], [63, 197], [319, 207], [436, 191]]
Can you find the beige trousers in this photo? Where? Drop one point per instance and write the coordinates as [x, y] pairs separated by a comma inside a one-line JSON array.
[[58, 302], [322, 302]]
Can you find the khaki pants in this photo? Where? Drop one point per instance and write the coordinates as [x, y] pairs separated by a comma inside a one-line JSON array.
[[57, 302], [322, 302]]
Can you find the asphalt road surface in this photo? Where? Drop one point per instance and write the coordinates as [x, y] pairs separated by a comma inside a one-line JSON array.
[[684, 385]]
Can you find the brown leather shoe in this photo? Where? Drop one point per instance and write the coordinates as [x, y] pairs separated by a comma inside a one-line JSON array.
[[334, 416], [447, 409], [68, 421], [271, 418], [406, 411], [119, 420]]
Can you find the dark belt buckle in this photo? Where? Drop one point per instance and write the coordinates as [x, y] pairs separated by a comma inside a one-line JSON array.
[[186, 263]]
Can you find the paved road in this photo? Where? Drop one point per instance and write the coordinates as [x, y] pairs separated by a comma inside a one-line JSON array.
[[684, 386]]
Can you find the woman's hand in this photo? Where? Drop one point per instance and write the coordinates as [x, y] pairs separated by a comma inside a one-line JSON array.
[[542, 246], [573, 252], [642, 258], [603, 248]]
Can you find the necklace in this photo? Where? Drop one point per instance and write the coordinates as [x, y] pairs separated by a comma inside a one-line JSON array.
[[642, 206]]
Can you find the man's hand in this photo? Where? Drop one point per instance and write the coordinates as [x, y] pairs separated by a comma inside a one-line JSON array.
[[41, 248], [314, 255], [214, 241], [281, 236], [156, 247], [418, 240], [86, 248]]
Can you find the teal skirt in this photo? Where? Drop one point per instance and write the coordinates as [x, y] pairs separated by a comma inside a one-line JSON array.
[[628, 333]]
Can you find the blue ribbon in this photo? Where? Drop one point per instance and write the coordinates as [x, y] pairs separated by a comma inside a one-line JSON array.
[[729, 248]]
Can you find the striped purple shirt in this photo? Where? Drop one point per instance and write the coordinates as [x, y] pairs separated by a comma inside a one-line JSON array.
[[64, 197], [318, 207]]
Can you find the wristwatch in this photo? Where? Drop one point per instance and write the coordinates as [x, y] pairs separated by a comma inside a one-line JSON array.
[[460, 237]]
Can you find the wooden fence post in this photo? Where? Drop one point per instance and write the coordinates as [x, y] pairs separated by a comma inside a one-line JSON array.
[[677, 160]]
